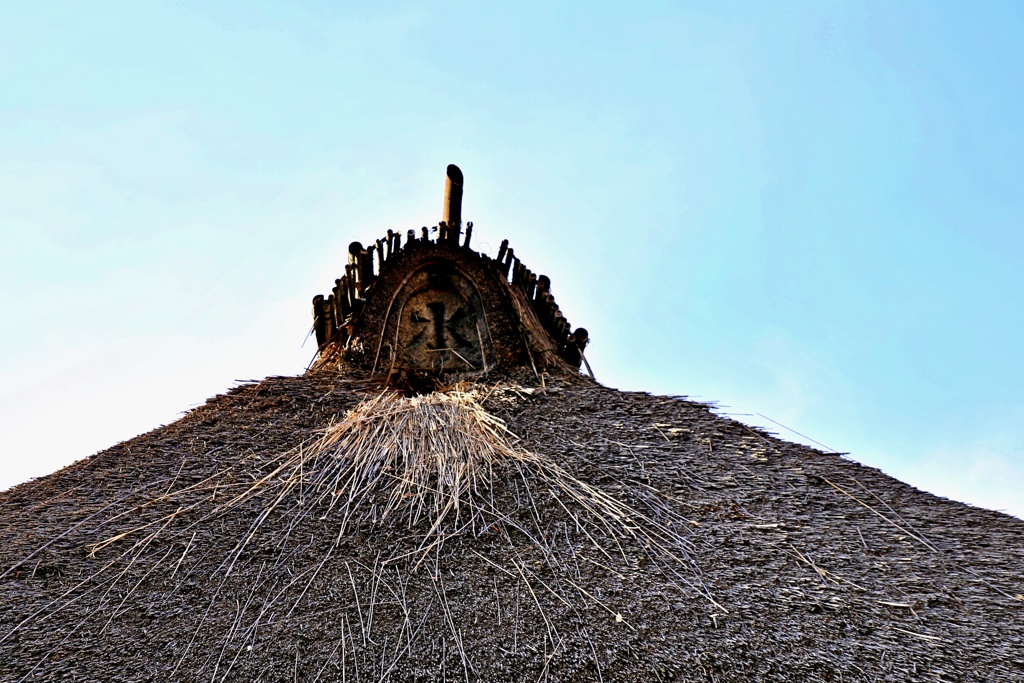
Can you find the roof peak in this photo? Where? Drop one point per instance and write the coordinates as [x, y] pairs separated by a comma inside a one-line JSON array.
[[434, 305]]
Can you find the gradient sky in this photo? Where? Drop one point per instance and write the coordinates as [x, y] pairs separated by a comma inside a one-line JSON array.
[[807, 212]]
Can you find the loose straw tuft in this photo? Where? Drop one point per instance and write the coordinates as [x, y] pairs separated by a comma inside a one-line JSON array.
[[425, 454]]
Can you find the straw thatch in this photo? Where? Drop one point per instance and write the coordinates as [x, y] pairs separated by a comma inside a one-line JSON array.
[[321, 528]]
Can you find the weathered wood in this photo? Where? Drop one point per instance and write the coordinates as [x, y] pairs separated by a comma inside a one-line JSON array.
[[319, 320], [452, 213], [520, 314]]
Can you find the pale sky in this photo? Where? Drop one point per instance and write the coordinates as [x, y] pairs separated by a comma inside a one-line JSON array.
[[805, 211]]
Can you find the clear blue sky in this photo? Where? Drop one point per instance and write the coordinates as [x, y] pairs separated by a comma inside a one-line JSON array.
[[808, 211]]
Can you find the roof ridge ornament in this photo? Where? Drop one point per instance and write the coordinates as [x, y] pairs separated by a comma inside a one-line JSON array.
[[452, 214], [439, 307]]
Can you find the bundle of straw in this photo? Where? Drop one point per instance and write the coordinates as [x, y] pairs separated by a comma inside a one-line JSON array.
[[426, 454]]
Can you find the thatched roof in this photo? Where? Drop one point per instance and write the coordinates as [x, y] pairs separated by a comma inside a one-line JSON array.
[[443, 497], [621, 537]]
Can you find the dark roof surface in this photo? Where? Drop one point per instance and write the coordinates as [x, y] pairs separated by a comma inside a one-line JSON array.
[[769, 560]]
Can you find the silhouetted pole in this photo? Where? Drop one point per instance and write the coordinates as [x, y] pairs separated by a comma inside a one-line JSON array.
[[453, 200]]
